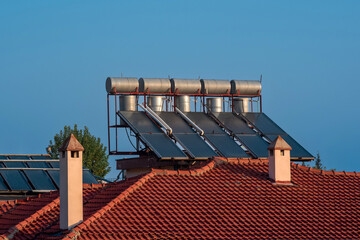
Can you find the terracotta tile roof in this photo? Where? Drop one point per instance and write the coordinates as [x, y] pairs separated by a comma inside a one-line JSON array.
[[279, 144], [71, 144], [224, 199]]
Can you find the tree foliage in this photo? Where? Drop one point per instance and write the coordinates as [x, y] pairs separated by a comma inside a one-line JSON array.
[[94, 155], [318, 163]]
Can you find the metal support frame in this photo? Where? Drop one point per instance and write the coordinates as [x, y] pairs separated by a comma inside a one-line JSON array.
[[171, 96]]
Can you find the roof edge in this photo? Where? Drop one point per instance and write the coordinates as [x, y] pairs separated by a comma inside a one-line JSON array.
[[323, 172], [21, 225]]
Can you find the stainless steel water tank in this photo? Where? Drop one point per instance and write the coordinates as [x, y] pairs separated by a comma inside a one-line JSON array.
[[214, 104], [210, 86], [155, 85], [241, 105], [155, 103], [185, 85], [124, 84], [245, 87], [127, 103], [183, 103]]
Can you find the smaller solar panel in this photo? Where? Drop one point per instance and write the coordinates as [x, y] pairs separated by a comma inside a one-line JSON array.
[[39, 179], [3, 186], [196, 145], [20, 157], [55, 164], [38, 164], [263, 123], [162, 146], [88, 177], [55, 176], [177, 124], [207, 124], [256, 144], [15, 164], [233, 123], [227, 146], [15, 179], [140, 122], [41, 157], [3, 158]]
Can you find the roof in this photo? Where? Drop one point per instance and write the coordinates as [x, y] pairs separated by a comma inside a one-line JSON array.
[[71, 144], [224, 199], [279, 144]]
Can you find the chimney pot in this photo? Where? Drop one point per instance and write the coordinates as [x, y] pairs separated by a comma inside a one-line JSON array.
[[279, 161], [71, 183]]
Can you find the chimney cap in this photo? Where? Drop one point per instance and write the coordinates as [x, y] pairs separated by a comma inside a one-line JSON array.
[[279, 144], [71, 144]]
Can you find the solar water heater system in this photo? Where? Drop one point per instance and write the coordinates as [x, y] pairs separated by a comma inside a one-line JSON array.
[[187, 120]]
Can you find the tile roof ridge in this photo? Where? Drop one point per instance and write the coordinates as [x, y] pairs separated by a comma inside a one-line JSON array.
[[241, 160], [324, 172], [191, 172], [76, 231], [21, 225]]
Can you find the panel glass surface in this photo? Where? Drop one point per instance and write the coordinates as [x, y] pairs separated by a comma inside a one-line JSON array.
[[227, 146], [3, 186], [234, 123], [55, 175], [297, 150], [15, 179], [196, 145], [41, 157], [88, 177], [256, 144], [38, 164], [262, 122], [162, 146], [15, 164], [207, 124], [140, 122], [2, 165], [174, 121], [55, 164], [39, 179], [3, 158], [20, 157]]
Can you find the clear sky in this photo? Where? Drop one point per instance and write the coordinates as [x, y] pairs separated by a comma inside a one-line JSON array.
[[56, 55]]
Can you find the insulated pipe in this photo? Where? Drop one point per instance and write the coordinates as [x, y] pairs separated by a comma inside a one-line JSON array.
[[189, 121], [158, 119]]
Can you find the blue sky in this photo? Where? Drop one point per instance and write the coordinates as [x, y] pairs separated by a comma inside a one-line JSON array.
[[56, 55]]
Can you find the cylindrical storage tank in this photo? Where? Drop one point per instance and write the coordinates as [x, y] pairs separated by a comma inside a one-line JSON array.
[[214, 104], [154, 85], [241, 105], [245, 87], [188, 86], [209, 86], [127, 103], [155, 103], [121, 85], [183, 103]]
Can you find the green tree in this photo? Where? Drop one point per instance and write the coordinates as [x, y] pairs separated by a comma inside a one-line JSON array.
[[318, 163], [94, 156]]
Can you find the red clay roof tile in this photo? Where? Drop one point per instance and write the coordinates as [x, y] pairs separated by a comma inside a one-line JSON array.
[[225, 199]]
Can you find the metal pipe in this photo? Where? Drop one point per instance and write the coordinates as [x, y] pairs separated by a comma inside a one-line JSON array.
[[108, 122], [189, 121], [158, 119]]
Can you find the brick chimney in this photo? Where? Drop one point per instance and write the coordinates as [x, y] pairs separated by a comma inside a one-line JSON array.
[[279, 161], [71, 183]]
